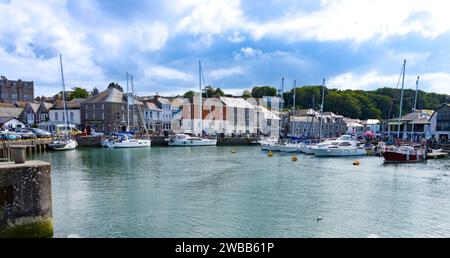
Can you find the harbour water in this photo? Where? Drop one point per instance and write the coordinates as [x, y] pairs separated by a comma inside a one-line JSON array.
[[212, 192]]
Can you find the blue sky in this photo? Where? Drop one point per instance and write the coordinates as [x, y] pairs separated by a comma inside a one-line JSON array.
[[354, 44]]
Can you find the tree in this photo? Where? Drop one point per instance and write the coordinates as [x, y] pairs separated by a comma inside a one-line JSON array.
[[189, 94], [259, 92], [78, 93], [246, 94]]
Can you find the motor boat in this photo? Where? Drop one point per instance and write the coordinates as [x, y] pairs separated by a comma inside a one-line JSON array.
[[345, 145], [125, 141], [63, 144], [290, 147], [269, 144], [404, 154], [308, 148], [186, 140]]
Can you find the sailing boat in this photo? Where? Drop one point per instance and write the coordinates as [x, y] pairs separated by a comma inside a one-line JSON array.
[[125, 140], [186, 140], [64, 143], [404, 153]]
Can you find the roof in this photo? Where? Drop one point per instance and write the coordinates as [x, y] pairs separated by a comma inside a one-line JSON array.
[[267, 113], [163, 101], [422, 120], [34, 106], [302, 119], [152, 106], [6, 119], [371, 122], [47, 105], [353, 124], [110, 95], [236, 102], [73, 104], [178, 102], [10, 112]]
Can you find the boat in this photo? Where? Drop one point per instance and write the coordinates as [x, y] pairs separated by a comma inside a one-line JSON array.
[[186, 140], [345, 145], [404, 154], [268, 142], [125, 141], [64, 142], [290, 147]]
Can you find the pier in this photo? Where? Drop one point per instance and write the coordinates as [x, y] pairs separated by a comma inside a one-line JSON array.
[[31, 146]]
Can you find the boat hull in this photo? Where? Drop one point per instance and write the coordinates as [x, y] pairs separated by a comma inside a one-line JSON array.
[[64, 146], [330, 152], [133, 144], [204, 142], [395, 157], [290, 149]]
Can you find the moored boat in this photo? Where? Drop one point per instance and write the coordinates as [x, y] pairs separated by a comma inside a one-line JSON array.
[[345, 145], [63, 144], [404, 154], [125, 141], [186, 140]]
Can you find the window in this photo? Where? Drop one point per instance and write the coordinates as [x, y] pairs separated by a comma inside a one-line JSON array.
[[103, 116], [86, 116], [71, 116], [93, 115], [93, 106], [103, 106], [56, 116]]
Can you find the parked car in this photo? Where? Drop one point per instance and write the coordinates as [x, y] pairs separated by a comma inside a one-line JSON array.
[[9, 136], [25, 134], [41, 133]]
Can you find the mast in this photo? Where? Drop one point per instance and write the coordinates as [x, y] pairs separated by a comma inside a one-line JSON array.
[[321, 110], [132, 102], [415, 106], [66, 122], [200, 105], [280, 93], [401, 99], [128, 106], [293, 105]]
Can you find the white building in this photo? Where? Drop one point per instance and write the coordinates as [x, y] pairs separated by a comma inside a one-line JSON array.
[[166, 112], [57, 116], [354, 126], [373, 125], [152, 115], [10, 123]]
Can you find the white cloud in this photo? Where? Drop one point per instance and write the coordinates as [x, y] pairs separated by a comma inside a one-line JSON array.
[[225, 72], [430, 82], [251, 53], [162, 72], [359, 20], [236, 38]]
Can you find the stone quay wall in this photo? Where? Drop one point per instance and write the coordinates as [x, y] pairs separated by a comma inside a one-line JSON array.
[[25, 200]]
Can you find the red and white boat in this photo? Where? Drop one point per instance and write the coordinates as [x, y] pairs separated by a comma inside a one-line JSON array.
[[404, 154]]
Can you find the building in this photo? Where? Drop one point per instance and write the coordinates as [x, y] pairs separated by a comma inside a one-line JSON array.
[[7, 123], [177, 114], [152, 116], [306, 123], [9, 116], [440, 124], [355, 127], [107, 112], [220, 115], [57, 115], [373, 125], [12, 91], [411, 126], [267, 122], [30, 114], [166, 112]]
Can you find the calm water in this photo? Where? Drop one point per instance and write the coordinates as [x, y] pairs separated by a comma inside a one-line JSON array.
[[210, 192]]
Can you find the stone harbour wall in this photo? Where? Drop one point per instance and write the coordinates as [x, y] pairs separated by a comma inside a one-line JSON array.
[[25, 200]]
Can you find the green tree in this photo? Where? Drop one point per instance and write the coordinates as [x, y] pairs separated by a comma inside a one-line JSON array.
[[78, 93], [259, 92], [246, 94], [189, 94]]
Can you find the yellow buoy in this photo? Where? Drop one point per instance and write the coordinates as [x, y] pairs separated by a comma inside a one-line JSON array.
[[294, 158], [270, 154], [233, 151], [356, 163]]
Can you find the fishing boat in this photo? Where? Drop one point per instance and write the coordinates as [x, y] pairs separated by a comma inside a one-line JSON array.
[[186, 140], [404, 154], [345, 145], [64, 142]]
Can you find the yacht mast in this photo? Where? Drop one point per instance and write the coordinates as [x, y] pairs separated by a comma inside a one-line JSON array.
[[200, 106], [128, 106], [133, 123], [321, 110], [415, 107], [280, 93], [293, 105], [66, 123], [401, 99]]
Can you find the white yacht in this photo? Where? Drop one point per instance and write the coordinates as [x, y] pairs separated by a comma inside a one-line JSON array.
[[269, 144], [125, 141], [345, 145], [290, 147], [186, 140], [63, 144]]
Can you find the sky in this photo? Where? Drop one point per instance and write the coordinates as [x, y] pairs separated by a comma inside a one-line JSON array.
[[353, 44]]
